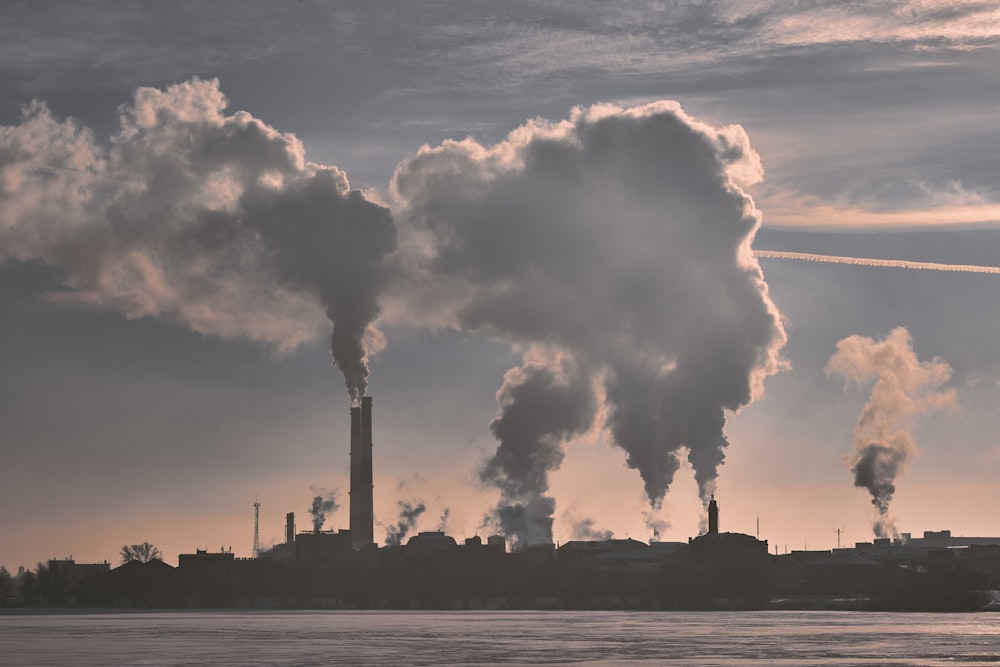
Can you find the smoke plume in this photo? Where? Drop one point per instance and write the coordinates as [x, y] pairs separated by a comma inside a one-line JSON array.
[[324, 503], [214, 220], [612, 248], [904, 388], [657, 524], [621, 239], [540, 407], [585, 529], [443, 521], [408, 515]]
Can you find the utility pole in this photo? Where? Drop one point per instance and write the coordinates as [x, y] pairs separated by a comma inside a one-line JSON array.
[[256, 529], [838, 538]]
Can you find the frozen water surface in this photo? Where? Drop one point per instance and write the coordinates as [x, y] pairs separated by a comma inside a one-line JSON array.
[[498, 638]]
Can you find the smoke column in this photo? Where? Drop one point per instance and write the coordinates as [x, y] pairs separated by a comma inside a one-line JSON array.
[[540, 407], [214, 220], [866, 261], [620, 240], [324, 503], [903, 388], [408, 515]]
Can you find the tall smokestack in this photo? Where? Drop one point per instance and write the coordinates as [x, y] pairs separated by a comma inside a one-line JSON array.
[[713, 517], [290, 528], [362, 504]]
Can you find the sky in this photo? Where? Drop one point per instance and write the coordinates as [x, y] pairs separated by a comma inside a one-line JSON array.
[[530, 230]]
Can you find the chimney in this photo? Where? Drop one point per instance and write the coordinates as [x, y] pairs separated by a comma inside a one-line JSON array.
[[362, 505], [713, 517], [290, 528]]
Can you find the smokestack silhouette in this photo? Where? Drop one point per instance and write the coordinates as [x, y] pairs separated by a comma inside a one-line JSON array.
[[362, 499], [290, 528], [408, 515], [904, 388], [713, 517]]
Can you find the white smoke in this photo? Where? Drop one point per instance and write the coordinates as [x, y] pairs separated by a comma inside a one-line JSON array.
[[586, 529], [214, 220], [904, 388], [323, 503]]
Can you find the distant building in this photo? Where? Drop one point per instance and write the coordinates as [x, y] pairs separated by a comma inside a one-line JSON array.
[[843, 573], [201, 559], [430, 541], [715, 546], [323, 546]]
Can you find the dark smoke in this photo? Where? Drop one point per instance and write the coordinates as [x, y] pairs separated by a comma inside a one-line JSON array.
[[620, 240], [540, 408], [323, 504], [408, 515], [904, 388], [214, 220]]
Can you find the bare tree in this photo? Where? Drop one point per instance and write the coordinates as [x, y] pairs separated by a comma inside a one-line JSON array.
[[143, 553]]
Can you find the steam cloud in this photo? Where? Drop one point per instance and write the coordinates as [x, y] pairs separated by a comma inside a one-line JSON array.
[[214, 220], [408, 515], [323, 504], [540, 408], [621, 240], [585, 529], [904, 388], [656, 524], [613, 248]]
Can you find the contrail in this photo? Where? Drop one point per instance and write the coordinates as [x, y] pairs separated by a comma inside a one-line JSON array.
[[870, 261]]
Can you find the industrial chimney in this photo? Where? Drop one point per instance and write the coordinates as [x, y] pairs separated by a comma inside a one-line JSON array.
[[290, 528], [713, 517], [362, 504]]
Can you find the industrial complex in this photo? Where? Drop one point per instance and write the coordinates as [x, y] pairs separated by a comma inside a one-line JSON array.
[[346, 569]]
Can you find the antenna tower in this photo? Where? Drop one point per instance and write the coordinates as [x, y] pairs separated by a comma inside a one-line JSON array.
[[256, 528]]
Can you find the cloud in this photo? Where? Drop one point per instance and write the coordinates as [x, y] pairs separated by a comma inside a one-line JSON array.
[[789, 211], [904, 388], [963, 23], [214, 220], [618, 241]]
